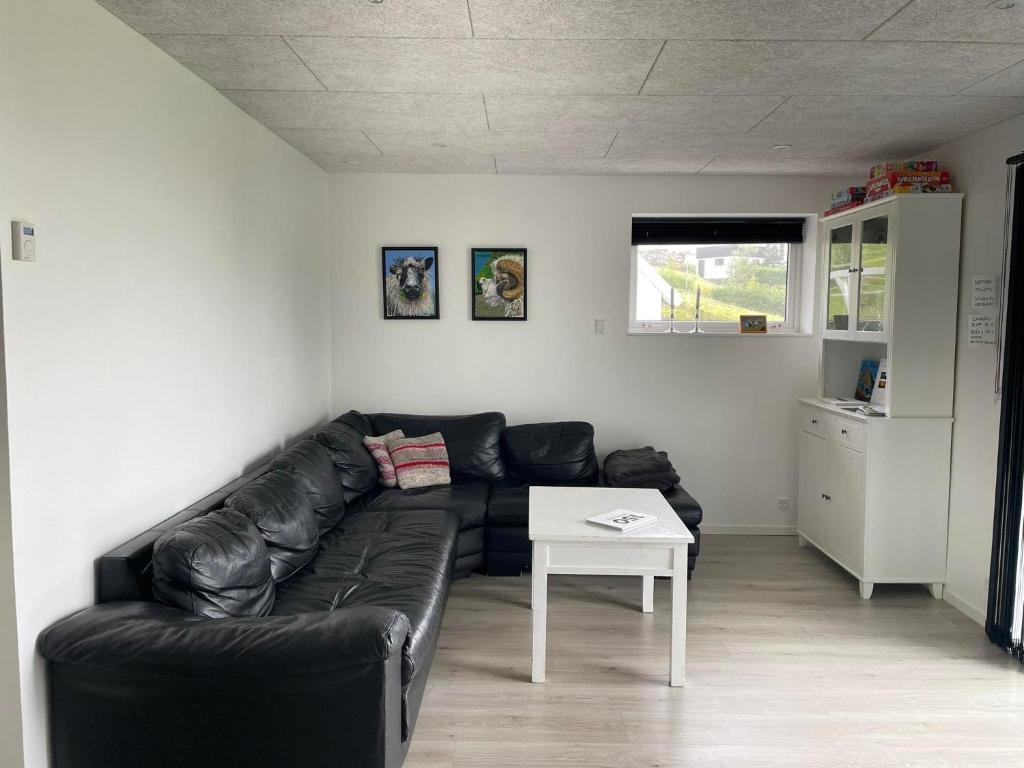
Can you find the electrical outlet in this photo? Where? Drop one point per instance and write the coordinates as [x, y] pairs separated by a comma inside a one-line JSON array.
[[783, 503]]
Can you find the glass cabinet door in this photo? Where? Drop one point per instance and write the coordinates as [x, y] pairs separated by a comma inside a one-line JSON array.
[[840, 274], [874, 252]]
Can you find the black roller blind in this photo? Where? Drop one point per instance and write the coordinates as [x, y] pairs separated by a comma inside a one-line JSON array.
[[706, 231]]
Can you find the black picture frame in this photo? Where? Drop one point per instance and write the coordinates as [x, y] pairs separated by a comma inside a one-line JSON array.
[[390, 255], [498, 312]]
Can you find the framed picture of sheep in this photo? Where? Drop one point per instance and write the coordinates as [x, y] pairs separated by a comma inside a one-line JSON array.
[[409, 279], [499, 283]]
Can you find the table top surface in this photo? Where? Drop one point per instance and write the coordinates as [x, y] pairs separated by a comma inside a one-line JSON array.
[[560, 514]]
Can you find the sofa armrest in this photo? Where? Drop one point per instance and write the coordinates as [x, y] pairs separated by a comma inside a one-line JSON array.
[[143, 684]]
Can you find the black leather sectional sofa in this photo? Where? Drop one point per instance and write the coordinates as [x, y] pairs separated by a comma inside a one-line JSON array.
[[335, 674]]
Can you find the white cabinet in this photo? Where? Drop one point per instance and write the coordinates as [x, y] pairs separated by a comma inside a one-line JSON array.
[[874, 492], [859, 265], [874, 496]]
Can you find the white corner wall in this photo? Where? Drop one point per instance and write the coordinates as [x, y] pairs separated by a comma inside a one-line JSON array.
[[978, 166], [175, 326], [724, 408]]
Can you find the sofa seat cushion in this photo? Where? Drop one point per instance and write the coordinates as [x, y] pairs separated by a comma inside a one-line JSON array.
[[552, 453], [687, 507], [399, 559], [473, 442], [468, 500], [509, 505]]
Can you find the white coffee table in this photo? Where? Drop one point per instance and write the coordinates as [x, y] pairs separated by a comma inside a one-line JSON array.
[[563, 542]]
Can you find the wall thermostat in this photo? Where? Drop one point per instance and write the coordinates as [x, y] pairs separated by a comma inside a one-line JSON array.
[[23, 237]]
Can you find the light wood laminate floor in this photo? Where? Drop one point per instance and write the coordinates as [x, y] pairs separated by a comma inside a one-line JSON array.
[[786, 667]]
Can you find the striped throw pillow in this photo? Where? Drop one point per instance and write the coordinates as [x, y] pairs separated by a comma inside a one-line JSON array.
[[378, 448], [420, 461]]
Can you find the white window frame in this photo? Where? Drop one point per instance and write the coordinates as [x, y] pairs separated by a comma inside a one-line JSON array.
[[791, 325]]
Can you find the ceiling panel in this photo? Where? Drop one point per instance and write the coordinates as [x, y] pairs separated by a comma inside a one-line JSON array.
[[869, 114], [688, 113], [602, 86], [352, 18], [664, 144], [418, 163], [948, 20], [1009, 82], [785, 167], [589, 165], [468, 143], [887, 146], [684, 19], [390, 111], [320, 142], [478, 66], [228, 61], [731, 67]]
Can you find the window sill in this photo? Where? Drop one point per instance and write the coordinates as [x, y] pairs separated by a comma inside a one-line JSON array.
[[719, 334]]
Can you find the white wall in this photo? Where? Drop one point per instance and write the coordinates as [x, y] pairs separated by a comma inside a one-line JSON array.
[[724, 408], [978, 166], [175, 327]]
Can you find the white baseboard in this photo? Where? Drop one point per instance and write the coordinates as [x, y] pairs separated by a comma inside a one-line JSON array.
[[964, 607], [750, 530]]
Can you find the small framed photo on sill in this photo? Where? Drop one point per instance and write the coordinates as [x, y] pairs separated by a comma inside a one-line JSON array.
[[753, 324], [499, 283]]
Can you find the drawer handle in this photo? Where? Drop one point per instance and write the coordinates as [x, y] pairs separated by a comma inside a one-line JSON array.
[[814, 421], [826, 497], [844, 431]]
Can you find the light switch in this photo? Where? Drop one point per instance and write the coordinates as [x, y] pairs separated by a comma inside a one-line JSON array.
[[599, 326]]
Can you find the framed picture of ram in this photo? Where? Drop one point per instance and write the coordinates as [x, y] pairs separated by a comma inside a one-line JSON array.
[[499, 283], [409, 279]]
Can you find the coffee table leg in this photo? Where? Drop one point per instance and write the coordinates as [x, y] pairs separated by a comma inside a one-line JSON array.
[[648, 594], [677, 654], [539, 569]]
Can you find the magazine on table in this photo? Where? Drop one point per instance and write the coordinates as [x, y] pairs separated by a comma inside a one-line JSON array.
[[623, 520]]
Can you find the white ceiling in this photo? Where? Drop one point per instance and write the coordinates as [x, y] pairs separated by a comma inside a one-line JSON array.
[[602, 86]]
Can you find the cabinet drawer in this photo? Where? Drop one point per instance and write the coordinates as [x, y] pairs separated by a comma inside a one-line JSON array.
[[847, 432], [815, 421]]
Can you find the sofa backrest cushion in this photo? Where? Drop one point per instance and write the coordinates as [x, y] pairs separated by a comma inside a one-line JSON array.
[[215, 565], [554, 452], [360, 422], [285, 517], [310, 463], [473, 442], [352, 460]]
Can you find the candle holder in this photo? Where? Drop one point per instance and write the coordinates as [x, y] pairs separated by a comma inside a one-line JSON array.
[[696, 316]]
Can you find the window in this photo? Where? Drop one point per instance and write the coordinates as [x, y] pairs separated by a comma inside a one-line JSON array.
[[744, 267]]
